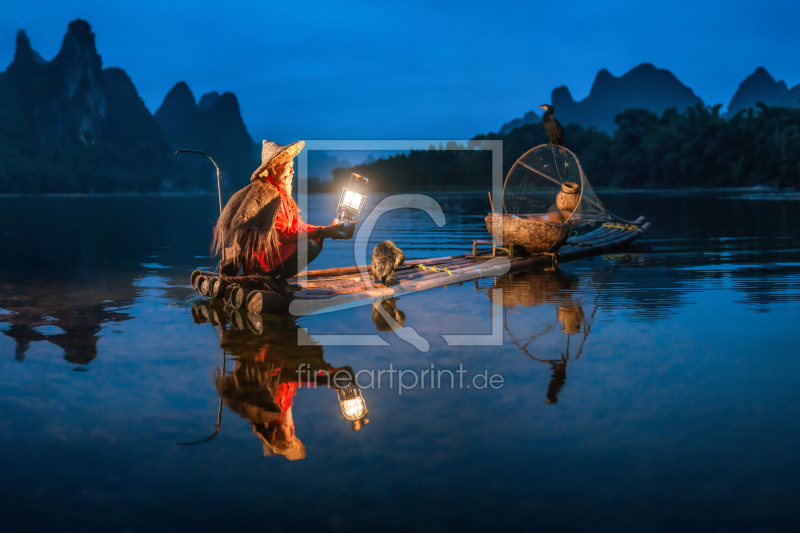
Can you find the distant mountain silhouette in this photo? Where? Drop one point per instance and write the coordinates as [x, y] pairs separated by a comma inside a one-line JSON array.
[[642, 87], [214, 125], [321, 164], [68, 125], [71, 126], [760, 86], [528, 118]]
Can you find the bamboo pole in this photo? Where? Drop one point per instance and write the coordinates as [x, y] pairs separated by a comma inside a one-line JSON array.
[[621, 240], [598, 248], [450, 265], [356, 269], [600, 237], [217, 317], [239, 297], [593, 235], [199, 314], [202, 285], [599, 232], [194, 276], [237, 317], [609, 234], [266, 302], [312, 304], [255, 323], [332, 285], [218, 287], [356, 282], [228, 290], [312, 284], [333, 291]]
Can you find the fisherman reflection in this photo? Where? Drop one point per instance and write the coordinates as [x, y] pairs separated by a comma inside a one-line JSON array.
[[261, 393], [270, 368], [262, 387]]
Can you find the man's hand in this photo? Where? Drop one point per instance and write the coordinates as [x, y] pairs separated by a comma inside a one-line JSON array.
[[343, 230]]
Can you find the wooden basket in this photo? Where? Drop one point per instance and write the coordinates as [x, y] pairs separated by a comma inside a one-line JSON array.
[[534, 234], [569, 197]]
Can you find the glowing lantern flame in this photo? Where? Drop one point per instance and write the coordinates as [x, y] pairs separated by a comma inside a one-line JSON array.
[[352, 199]]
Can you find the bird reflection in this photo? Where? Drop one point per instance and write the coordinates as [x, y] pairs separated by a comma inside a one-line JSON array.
[[557, 380], [388, 317], [532, 289], [270, 367]]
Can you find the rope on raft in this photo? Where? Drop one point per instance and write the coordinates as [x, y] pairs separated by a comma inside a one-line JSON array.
[[434, 269], [621, 226]]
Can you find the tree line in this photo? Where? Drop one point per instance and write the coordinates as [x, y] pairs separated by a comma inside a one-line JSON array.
[[695, 148]]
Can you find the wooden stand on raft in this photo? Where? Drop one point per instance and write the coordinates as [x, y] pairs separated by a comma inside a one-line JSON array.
[[352, 284]]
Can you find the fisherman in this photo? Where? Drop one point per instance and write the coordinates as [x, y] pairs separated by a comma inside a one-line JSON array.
[[260, 227]]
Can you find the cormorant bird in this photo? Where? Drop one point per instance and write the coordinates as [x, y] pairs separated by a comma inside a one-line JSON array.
[[552, 126], [386, 257]]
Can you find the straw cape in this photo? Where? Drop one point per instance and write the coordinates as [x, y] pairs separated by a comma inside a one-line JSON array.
[[247, 224]]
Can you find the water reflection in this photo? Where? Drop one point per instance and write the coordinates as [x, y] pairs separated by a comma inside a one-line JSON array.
[[386, 316], [270, 367], [71, 317], [664, 323], [84, 274], [533, 289]]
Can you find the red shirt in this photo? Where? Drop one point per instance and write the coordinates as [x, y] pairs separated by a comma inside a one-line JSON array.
[[289, 226], [284, 393]]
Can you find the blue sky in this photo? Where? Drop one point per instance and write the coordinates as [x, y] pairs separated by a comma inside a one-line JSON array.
[[419, 70]]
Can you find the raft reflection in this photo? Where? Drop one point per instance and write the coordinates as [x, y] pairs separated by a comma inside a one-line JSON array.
[[269, 369], [536, 288]]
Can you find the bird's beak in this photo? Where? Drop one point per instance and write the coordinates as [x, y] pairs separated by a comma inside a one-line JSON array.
[[541, 106]]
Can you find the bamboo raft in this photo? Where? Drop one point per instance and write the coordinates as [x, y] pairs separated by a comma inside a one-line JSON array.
[[333, 289]]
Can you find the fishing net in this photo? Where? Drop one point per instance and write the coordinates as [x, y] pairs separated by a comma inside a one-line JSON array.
[[548, 180]]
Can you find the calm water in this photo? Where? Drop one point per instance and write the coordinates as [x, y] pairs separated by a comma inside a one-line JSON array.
[[655, 390]]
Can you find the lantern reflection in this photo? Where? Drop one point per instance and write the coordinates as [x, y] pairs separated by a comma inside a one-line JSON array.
[[352, 403]]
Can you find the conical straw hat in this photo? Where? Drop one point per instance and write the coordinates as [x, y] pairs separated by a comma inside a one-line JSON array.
[[273, 153]]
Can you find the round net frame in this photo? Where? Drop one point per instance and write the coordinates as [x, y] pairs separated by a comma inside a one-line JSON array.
[[535, 180]]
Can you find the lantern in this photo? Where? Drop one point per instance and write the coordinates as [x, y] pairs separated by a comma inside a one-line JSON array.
[[352, 403], [352, 199]]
